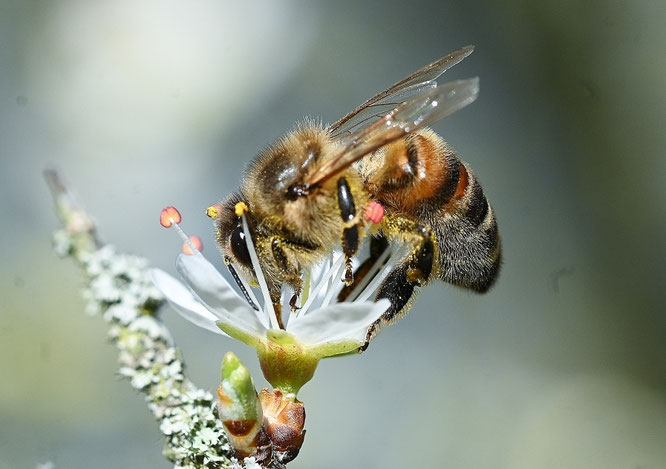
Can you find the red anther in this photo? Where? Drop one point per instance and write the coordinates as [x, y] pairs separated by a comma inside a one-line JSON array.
[[169, 216], [374, 212], [196, 242]]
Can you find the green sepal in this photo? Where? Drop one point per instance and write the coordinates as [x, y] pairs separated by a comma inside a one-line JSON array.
[[239, 334], [336, 348], [282, 337]]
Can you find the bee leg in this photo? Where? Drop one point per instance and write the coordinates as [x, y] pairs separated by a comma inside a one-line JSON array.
[[291, 272], [275, 293], [378, 245], [292, 302], [402, 283], [421, 262], [277, 306], [350, 234]]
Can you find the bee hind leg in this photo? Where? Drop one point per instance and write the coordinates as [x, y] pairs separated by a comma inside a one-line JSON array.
[[403, 282]]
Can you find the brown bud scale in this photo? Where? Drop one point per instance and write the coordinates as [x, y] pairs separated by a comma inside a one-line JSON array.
[[284, 420], [239, 427]]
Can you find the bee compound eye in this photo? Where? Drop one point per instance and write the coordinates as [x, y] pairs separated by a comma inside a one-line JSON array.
[[239, 246]]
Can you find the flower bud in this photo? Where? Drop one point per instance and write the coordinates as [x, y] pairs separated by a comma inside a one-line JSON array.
[[284, 419], [240, 411]]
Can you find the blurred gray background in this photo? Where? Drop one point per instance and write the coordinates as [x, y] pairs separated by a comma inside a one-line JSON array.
[[143, 104]]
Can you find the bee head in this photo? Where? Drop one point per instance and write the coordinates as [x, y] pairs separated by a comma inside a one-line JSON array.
[[277, 176], [230, 235]]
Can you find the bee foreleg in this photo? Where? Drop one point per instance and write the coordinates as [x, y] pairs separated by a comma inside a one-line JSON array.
[[350, 233]]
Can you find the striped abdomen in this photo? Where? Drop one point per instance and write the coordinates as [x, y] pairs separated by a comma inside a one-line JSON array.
[[419, 178]]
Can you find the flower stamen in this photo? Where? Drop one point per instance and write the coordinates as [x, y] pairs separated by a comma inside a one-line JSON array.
[[337, 275], [268, 303], [170, 218], [193, 241], [335, 266], [358, 289], [379, 278]]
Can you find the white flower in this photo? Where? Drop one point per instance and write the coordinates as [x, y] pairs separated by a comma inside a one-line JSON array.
[[210, 302], [320, 328], [123, 312], [141, 379], [208, 436], [173, 425]]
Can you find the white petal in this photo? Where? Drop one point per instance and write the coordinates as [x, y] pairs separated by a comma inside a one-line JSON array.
[[218, 296], [338, 321], [182, 300]]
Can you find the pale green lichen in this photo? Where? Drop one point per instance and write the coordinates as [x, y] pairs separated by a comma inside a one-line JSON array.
[[119, 289]]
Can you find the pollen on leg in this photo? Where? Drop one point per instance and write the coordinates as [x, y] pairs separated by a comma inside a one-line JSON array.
[[192, 241], [169, 216], [374, 212]]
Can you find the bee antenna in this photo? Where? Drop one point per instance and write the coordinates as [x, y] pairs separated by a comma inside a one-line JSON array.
[[241, 285]]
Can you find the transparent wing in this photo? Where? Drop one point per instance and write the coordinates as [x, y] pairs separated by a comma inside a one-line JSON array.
[[389, 99], [421, 110]]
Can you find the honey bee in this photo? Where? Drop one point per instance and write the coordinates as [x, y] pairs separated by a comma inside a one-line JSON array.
[[306, 194]]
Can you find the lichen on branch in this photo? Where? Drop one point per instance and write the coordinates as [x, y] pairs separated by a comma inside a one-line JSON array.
[[118, 288]]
